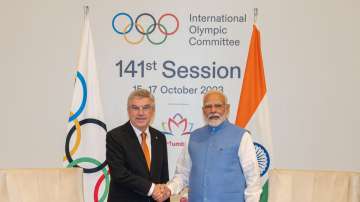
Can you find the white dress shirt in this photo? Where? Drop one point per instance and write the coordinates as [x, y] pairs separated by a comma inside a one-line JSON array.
[[248, 161], [148, 142]]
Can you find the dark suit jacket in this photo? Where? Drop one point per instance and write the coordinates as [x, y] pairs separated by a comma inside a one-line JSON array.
[[130, 177]]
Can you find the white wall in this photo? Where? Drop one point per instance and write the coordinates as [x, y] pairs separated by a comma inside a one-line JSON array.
[[309, 51]]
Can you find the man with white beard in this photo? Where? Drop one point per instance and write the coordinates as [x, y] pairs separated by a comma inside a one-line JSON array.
[[218, 162]]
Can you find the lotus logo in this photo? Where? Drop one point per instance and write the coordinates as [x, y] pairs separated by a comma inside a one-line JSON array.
[[177, 125]]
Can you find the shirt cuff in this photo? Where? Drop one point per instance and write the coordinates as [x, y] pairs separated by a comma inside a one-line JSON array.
[[151, 189]]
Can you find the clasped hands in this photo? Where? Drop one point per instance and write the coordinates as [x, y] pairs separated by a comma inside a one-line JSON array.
[[161, 192]]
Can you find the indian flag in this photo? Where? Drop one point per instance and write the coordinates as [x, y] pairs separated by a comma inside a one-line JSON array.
[[86, 134], [253, 113]]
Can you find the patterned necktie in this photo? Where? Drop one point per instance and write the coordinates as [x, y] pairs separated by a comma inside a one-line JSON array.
[[145, 149]]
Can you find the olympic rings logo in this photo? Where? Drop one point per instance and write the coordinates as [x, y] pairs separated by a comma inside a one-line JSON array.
[[76, 132], [144, 27]]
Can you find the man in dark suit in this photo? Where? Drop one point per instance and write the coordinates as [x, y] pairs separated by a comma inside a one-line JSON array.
[[137, 154]]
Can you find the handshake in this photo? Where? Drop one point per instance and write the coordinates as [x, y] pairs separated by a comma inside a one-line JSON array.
[[161, 192]]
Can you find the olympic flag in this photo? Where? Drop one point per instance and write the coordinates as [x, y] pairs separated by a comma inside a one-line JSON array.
[[253, 113], [85, 140]]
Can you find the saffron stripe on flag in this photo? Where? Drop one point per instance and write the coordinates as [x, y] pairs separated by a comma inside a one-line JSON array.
[[254, 86]]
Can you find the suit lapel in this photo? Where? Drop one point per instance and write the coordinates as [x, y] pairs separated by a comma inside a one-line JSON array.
[[137, 146], [154, 150]]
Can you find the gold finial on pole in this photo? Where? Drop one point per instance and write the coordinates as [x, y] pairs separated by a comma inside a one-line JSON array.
[[86, 10], [256, 11]]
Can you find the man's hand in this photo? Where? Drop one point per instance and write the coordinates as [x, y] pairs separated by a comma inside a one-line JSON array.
[[161, 192], [166, 193], [157, 193]]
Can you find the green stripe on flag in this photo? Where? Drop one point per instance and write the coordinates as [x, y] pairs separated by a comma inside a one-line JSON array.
[[265, 192]]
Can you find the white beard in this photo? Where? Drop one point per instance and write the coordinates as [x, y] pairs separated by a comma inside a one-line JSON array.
[[214, 122]]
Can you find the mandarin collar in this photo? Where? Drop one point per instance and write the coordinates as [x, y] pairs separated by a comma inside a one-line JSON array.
[[219, 127]]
